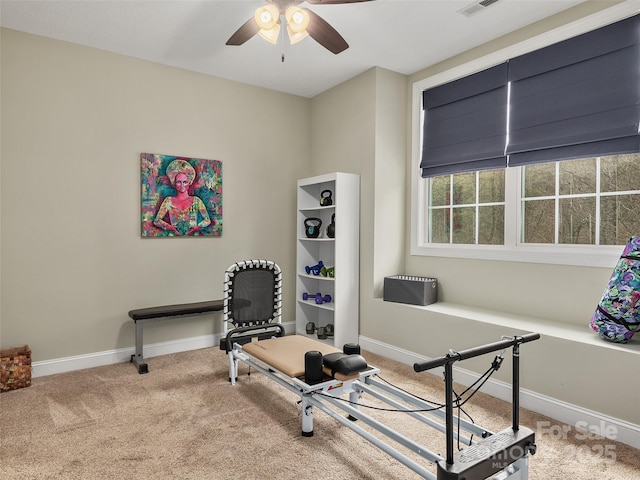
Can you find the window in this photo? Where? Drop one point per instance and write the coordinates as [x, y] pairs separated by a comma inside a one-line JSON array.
[[590, 201], [564, 211], [467, 208]]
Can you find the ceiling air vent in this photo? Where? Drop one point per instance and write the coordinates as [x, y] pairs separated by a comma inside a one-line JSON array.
[[476, 7]]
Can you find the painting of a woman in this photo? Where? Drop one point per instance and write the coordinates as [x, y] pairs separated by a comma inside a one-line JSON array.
[[186, 213], [185, 201]]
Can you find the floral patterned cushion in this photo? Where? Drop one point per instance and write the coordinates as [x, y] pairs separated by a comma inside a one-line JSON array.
[[617, 316]]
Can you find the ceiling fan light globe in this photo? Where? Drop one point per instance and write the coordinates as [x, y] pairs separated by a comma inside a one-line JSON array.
[[297, 19], [267, 17], [295, 37], [270, 35]]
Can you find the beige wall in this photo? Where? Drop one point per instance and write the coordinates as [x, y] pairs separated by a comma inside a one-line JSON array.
[[74, 122], [569, 364], [360, 127], [73, 263]]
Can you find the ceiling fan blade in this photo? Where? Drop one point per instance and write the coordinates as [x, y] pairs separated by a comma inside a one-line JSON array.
[[244, 33], [320, 2], [325, 34]]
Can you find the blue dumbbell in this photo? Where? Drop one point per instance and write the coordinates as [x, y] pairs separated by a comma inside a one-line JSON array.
[[315, 269], [320, 299]]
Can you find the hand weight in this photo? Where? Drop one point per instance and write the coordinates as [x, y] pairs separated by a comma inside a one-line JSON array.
[[322, 333], [312, 227], [331, 229], [315, 269], [327, 271], [319, 298], [310, 328], [325, 198]]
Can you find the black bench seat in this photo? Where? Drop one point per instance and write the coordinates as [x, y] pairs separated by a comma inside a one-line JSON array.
[[150, 314]]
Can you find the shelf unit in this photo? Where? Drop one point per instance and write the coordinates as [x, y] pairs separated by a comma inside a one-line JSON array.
[[341, 253]]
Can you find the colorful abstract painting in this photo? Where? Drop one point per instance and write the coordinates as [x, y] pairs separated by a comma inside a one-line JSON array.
[[180, 196]]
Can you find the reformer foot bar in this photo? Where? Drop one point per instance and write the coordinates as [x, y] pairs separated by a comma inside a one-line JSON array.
[[499, 456], [496, 452]]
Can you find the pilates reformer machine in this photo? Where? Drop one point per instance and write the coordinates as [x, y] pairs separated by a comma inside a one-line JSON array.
[[292, 360], [333, 381]]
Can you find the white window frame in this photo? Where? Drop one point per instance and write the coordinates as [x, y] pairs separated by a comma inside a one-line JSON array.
[[512, 250]]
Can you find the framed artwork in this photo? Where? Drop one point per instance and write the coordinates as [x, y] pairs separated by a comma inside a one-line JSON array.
[[180, 196]]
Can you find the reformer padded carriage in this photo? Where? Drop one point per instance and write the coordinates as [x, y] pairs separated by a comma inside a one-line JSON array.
[[258, 340]]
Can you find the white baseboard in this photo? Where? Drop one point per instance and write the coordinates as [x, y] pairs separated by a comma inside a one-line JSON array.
[[110, 357], [581, 420]]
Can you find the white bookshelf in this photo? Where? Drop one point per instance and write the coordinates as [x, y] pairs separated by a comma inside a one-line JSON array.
[[341, 252]]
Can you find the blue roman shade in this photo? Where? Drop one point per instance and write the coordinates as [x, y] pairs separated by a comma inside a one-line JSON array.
[[577, 98], [465, 124]]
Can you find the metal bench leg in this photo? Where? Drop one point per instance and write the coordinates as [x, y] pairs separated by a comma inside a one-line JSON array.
[[138, 358]]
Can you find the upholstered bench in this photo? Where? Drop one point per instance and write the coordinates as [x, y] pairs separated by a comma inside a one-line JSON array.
[[154, 314]]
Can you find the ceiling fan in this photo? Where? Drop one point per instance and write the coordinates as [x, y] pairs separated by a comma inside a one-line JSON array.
[[300, 23]]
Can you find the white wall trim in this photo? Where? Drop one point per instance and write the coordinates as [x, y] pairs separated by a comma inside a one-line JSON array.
[[110, 357], [575, 416]]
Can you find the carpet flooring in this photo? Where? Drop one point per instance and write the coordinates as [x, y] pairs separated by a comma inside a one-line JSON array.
[[184, 420]]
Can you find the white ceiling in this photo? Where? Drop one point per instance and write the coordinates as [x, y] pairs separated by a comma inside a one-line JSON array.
[[404, 36]]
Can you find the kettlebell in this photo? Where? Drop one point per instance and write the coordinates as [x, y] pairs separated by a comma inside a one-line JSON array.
[[311, 230], [331, 229], [325, 198], [310, 327]]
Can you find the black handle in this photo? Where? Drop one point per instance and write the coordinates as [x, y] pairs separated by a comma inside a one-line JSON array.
[[474, 352]]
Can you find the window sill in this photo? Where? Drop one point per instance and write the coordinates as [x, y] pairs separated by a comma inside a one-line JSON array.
[[575, 333]]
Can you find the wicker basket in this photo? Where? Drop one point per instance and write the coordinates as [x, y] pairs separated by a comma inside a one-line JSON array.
[[15, 368]]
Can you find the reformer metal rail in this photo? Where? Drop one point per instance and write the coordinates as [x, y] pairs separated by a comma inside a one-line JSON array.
[[498, 456]]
